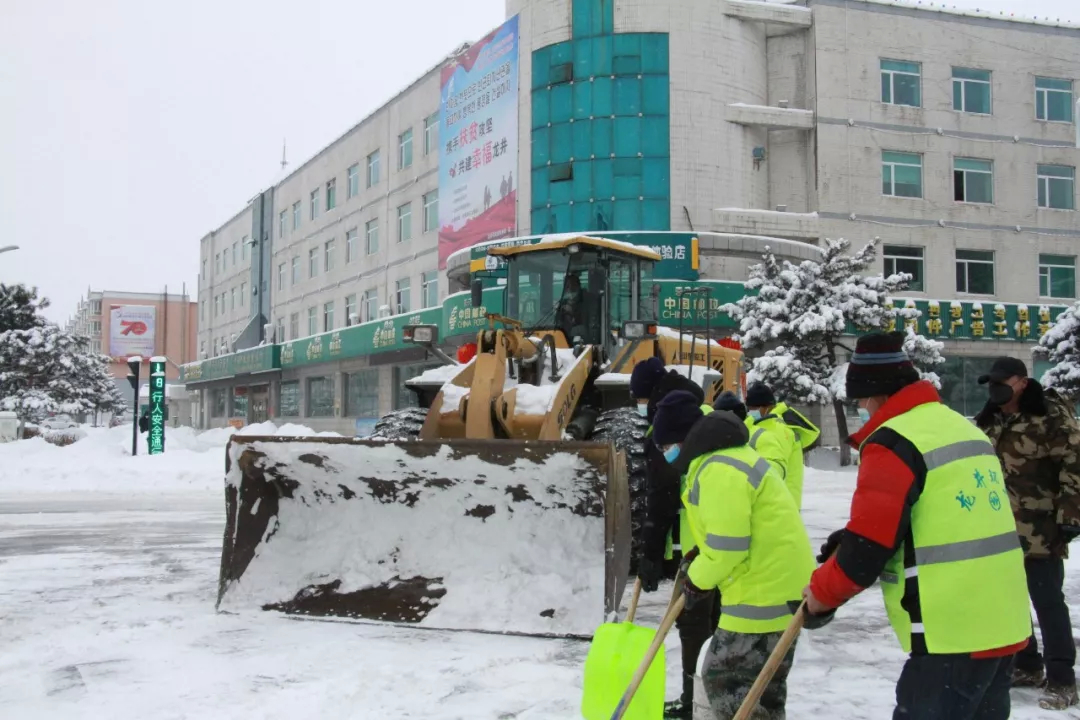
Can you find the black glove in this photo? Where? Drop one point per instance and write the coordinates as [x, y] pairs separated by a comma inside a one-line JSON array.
[[649, 572], [1068, 533], [684, 564], [693, 594], [810, 620], [830, 545]]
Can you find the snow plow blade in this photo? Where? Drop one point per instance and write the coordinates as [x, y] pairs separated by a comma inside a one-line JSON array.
[[501, 536]]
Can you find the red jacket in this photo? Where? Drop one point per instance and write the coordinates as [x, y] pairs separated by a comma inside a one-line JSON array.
[[885, 492]]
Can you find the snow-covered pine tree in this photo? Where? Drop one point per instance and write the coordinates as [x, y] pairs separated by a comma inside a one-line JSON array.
[[800, 313], [925, 354], [1061, 346], [20, 308]]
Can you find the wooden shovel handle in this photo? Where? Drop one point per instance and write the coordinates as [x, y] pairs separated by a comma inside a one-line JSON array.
[[775, 658], [665, 626], [632, 611]]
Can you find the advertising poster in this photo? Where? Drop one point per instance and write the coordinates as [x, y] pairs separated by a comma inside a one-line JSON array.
[[478, 131], [131, 330]]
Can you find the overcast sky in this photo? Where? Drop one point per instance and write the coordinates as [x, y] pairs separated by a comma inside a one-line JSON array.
[[129, 129]]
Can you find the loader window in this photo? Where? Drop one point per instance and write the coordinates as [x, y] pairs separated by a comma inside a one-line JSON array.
[[555, 290], [620, 293]]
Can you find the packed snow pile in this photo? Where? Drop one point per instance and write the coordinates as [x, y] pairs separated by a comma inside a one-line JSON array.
[[442, 538], [101, 462]]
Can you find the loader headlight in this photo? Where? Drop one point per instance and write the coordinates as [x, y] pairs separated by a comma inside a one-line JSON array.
[[421, 334], [638, 330]]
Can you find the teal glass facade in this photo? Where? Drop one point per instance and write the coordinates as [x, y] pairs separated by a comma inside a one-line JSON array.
[[600, 144]]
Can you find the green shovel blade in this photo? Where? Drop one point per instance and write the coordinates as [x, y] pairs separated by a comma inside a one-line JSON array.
[[616, 652]]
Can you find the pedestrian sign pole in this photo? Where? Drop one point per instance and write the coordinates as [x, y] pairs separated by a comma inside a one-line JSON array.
[[156, 439]]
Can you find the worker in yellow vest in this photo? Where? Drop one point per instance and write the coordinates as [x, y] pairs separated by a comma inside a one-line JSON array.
[[930, 519], [773, 439], [737, 507]]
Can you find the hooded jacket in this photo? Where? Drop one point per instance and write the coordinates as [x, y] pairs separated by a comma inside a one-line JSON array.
[[1039, 448], [662, 479], [776, 442]]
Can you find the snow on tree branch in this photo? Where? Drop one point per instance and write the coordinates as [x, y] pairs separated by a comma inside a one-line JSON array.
[[1061, 346], [925, 354]]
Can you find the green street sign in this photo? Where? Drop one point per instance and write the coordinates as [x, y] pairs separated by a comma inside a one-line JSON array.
[[459, 317], [377, 336], [156, 439]]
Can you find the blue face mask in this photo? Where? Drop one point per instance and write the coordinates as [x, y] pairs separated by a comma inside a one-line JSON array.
[[671, 454], [756, 414], [643, 410], [864, 415]]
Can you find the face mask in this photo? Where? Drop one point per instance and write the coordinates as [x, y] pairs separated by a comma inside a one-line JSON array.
[[643, 410], [1000, 393], [864, 415], [671, 454], [756, 414]]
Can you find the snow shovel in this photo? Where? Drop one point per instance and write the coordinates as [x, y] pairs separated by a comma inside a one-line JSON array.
[[775, 658]]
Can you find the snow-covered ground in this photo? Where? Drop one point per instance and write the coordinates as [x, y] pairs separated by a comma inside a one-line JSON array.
[[108, 576]]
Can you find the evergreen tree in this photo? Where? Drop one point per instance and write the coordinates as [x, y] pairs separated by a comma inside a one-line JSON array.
[[925, 354], [20, 308], [799, 315], [1061, 346]]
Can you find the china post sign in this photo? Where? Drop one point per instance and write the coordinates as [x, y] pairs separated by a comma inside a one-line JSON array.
[[156, 439]]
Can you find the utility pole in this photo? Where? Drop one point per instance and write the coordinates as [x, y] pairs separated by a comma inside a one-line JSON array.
[[134, 363]]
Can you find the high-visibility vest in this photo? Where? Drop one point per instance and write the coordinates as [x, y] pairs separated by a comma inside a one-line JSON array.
[[805, 431], [962, 555], [775, 441], [686, 538]]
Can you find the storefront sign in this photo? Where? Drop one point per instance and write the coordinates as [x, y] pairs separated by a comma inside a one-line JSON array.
[[958, 320], [377, 336], [254, 360], [461, 318], [697, 303], [156, 439]]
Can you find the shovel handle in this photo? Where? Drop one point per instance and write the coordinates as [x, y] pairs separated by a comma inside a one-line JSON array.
[[665, 626], [632, 611], [775, 658]]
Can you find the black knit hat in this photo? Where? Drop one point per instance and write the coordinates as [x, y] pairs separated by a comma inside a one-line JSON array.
[[760, 395], [730, 401], [675, 415], [879, 366], [645, 376]]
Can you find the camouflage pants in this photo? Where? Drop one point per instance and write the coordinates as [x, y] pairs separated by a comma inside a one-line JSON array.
[[729, 669]]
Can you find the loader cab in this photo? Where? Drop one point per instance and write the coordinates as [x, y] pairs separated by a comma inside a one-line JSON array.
[[583, 288]]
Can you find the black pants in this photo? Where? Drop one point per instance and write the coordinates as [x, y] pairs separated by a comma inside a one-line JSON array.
[[696, 626], [1045, 577], [954, 687]]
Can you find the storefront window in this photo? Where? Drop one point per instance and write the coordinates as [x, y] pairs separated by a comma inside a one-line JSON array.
[[289, 403], [960, 388], [217, 403], [240, 403], [405, 397], [320, 397], [362, 393]]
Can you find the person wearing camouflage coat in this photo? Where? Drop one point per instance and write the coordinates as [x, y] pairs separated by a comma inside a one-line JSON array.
[[1037, 437]]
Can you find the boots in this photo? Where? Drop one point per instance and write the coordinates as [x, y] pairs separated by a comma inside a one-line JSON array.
[[1058, 697], [1028, 678], [679, 709]]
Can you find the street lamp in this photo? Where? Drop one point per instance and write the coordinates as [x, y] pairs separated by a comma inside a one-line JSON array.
[[8, 248]]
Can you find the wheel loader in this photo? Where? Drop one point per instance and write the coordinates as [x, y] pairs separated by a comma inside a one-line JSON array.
[[510, 500]]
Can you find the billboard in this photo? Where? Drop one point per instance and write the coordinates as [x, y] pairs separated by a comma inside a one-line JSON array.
[[131, 330], [478, 138]]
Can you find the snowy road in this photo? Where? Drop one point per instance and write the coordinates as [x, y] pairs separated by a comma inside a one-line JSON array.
[[107, 610]]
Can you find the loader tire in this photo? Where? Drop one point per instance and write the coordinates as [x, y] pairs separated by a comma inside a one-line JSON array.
[[626, 430], [403, 424]]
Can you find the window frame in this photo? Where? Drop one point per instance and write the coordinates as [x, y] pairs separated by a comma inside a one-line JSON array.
[[294, 325], [1043, 173], [429, 284], [890, 165], [404, 232], [297, 215], [352, 175], [977, 261], [313, 262], [430, 223], [328, 316], [313, 320], [892, 81], [965, 171], [1049, 265], [405, 149], [331, 194], [373, 169], [328, 255], [314, 206], [431, 128], [1042, 99], [370, 304], [963, 82], [351, 236], [403, 285], [326, 411], [371, 381], [350, 309], [291, 390], [294, 270], [283, 222], [371, 228]]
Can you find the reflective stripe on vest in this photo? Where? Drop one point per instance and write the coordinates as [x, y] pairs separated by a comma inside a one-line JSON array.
[[754, 438], [754, 474], [957, 451], [734, 543], [967, 549], [755, 612]]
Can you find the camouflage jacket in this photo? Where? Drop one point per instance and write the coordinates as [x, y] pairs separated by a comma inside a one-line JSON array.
[[1039, 449]]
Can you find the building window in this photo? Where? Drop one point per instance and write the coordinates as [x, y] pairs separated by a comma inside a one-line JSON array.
[[371, 244], [232, 299], [313, 262], [281, 276], [294, 326], [95, 306], [234, 255], [973, 180], [328, 256], [354, 180], [901, 174], [402, 295], [1057, 276], [1053, 100], [971, 90], [244, 242], [404, 396], [217, 310], [404, 222], [243, 292], [901, 259], [295, 270], [350, 245], [431, 132], [959, 383], [320, 397], [296, 215], [1057, 187], [404, 153], [239, 403], [217, 263], [217, 403], [350, 310], [429, 288], [362, 393], [289, 399], [900, 83], [95, 328], [314, 204], [279, 334], [312, 320], [431, 211], [328, 316], [331, 194], [371, 299], [975, 272], [283, 219], [373, 169]]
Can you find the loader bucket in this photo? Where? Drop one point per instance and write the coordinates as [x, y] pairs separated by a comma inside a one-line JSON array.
[[495, 535]]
